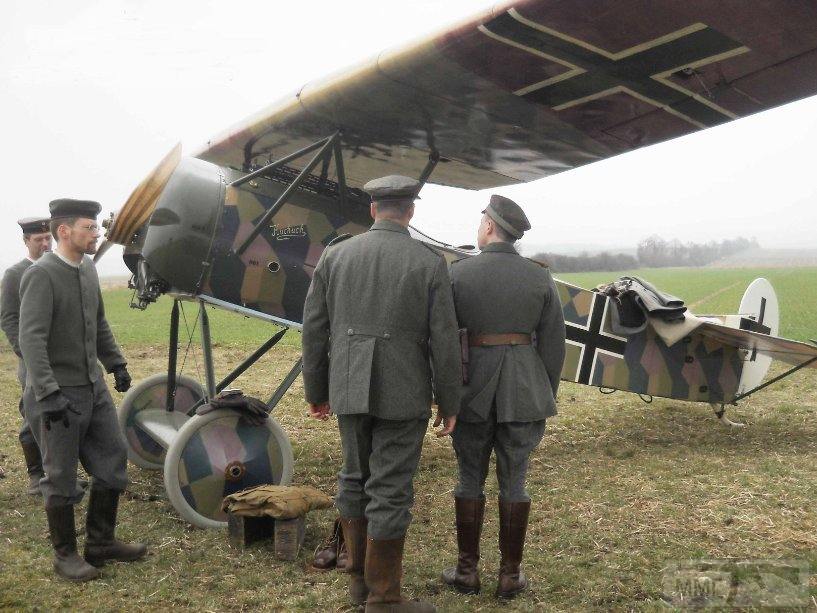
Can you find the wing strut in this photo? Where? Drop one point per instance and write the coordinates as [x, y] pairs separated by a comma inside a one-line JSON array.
[[326, 147], [433, 158]]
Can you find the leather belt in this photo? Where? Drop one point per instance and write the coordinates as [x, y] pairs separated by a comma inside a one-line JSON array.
[[492, 340]]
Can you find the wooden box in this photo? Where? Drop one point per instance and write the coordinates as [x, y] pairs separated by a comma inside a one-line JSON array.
[[287, 534]]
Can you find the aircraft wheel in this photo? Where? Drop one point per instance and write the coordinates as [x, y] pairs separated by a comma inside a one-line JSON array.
[[217, 454], [144, 449]]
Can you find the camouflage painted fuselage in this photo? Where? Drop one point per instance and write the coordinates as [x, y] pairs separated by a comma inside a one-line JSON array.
[[272, 276], [696, 368]]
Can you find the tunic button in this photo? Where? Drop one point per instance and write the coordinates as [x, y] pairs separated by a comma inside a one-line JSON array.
[[350, 332], [386, 335]]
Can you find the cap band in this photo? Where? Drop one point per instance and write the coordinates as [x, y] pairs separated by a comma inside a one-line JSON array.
[[489, 210]]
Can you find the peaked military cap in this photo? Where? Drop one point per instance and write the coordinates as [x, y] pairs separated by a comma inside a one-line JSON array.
[[34, 225], [508, 215], [68, 207], [393, 187]]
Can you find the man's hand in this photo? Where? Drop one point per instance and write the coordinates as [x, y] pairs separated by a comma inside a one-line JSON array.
[[320, 411], [448, 423], [122, 379], [56, 409]]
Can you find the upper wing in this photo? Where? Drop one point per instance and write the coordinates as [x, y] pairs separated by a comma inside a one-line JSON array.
[[535, 87]]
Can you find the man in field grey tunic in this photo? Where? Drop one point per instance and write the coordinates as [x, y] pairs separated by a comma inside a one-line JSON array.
[[63, 332], [516, 333], [378, 320], [37, 240]]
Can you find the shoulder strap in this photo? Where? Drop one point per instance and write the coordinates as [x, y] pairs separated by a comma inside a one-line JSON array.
[[339, 238], [431, 249]]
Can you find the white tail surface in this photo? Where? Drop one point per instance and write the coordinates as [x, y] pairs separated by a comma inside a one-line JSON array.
[[760, 305]]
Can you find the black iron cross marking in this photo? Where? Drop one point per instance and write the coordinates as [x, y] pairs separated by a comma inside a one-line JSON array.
[[642, 71], [593, 339], [756, 325]]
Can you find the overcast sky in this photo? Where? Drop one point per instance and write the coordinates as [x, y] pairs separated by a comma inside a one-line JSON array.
[[93, 94]]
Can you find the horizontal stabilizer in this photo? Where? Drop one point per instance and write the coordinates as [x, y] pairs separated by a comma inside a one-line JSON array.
[[782, 349]]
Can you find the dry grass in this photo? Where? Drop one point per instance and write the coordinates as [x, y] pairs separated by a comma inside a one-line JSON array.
[[620, 489]]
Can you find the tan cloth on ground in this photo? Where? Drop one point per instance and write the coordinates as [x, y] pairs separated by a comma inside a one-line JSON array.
[[278, 501]]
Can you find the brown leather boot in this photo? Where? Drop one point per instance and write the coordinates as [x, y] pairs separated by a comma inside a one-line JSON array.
[[464, 577], [354, 535], [63, 532], [100, 543], [328, 556], [34, 467], [384, 570], [342, 563], [513, 524]]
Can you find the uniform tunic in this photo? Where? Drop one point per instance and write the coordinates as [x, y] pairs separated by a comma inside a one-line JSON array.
[[10, 323], [378, 321], [63, 335], [511, 390]]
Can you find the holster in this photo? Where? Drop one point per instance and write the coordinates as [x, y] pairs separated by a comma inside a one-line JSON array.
[[464, 354]]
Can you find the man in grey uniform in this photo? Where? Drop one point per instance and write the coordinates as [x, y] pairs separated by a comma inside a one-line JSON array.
[[37, 240], [378, 321], [516, 334], [63, 334]]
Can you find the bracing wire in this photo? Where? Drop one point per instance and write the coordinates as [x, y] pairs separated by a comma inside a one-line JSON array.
[[190, 334]]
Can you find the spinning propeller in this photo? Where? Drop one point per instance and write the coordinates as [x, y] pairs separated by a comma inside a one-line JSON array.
[[139, 206]]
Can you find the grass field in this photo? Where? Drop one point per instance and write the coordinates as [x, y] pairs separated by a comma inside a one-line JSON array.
[[620, 489]]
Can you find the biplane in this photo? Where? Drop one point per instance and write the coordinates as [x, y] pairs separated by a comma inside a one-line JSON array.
[[517, 93]]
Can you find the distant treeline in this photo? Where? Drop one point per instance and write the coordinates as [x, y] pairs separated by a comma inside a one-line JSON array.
[[585, 262], [655, 252], [652, 252]]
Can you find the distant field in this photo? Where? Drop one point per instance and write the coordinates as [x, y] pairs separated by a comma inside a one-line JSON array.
[[151, 326]]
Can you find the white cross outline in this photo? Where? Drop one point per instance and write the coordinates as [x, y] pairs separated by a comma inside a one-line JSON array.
[[582, 347], [661, 77]]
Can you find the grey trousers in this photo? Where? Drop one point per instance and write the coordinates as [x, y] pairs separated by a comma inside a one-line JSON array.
[[92, 437], [26, 436], [513, 443], [380, 457]]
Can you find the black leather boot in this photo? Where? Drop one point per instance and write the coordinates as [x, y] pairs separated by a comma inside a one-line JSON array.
[[62, 529], [100, 543], [34, 466]]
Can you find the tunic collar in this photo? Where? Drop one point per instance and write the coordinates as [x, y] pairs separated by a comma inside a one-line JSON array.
[[391, 226], [67, 261], [500, 247]]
